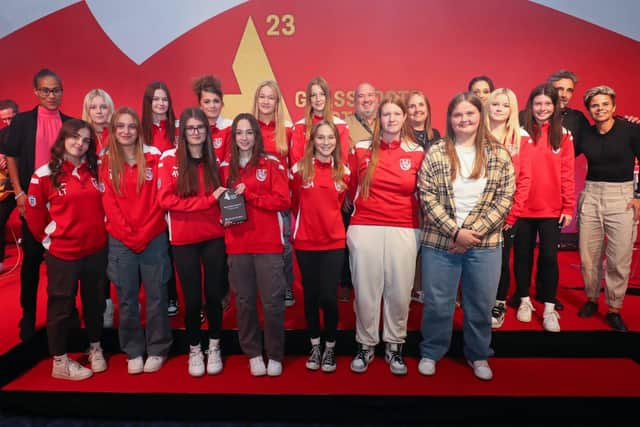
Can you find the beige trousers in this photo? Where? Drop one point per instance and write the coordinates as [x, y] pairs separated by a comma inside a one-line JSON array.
[[383, 263], [603, 214]]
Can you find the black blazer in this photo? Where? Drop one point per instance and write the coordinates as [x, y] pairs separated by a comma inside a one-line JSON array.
[[21, 143]]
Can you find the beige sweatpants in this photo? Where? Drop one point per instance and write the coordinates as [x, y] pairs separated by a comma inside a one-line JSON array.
[[383, 262]]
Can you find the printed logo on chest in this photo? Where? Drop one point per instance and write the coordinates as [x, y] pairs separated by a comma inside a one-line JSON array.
[[261, 175], [405, 164], [148, 174]]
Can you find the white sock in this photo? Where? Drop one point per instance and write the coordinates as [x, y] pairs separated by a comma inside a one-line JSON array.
[[315, 341], [549, 307], [195, 348], [330, 344], [214, 343], [523, 299]]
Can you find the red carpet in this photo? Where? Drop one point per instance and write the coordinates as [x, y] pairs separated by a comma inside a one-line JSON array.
[[513, 377]]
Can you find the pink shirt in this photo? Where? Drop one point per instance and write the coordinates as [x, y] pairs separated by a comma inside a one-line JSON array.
[[49, 124]]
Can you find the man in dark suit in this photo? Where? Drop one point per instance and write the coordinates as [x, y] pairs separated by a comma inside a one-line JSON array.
[[28, 145]]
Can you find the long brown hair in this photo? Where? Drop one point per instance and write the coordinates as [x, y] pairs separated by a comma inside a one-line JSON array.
[[427, 123], [307, 171], [70, 129], [115, 154], [147, 113], [327, 114], [188, 181], [406, 135], [258, 146], [555, 122], [480, 142]]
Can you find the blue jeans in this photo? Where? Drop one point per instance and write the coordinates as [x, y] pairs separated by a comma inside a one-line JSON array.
[[125, 268], [479, 272]]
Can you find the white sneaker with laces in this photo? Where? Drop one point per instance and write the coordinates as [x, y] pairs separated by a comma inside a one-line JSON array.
[[550, 321], [153, 364], [196, 361], [257, 367], [107, 316], [67, 369], [214, 357], [525, 310], [427, 366], [274, 368], [481, 369], [135, 365], [96, 357]]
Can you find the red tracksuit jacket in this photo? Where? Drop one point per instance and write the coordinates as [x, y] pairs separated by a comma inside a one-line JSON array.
[[298, 140], [220, 137], [269, 140]]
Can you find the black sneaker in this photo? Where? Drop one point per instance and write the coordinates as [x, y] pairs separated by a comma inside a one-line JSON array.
[[497, 315], [313, 362], [393, 356], [289, 299], [615, 321], [328, 360], [588, 309], [172, 309]]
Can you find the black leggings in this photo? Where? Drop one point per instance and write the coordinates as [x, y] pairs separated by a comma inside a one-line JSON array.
[[505, 272], [190, 260], [321, 272], [524, 244]]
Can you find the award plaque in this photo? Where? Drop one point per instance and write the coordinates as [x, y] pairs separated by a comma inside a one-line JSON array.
[[232, 207]]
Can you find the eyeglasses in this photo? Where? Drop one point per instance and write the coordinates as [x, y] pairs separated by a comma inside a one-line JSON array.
[[192, 130], [45, 91], [123, 126]]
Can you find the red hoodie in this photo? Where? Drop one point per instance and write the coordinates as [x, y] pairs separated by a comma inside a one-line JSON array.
[[317, 209], [393, 199], [68, 220], [133, 217], [299, 142], [159, 137], [266, 193], [190, 219], [552, 190]]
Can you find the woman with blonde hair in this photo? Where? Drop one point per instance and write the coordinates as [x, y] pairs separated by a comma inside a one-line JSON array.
[[318, 185], [317, 108], [268, 109], [138, 246], [97, 109], [384, 233], [500, 117]]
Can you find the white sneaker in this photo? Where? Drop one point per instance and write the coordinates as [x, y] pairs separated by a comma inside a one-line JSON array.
[[107, 316], [525, 310], [153, 364], [257, 367], [96, 357], [363, 357], [135, 365], [550, 321], [67, 369], [427, 366], [214, 358], [274, 368], [196, 361], [481, 369]]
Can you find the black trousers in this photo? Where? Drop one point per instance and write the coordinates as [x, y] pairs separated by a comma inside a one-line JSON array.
[[548, 231], [346, 282], [321, 272], [190, 261], [30, 272], [6, 207], [62, 287], [508, 237]]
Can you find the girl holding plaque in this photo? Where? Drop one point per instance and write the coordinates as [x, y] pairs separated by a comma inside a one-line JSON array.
[[318, 185], [188, 189], [466, 187], [138, 246], [384, 233], [254, 247]]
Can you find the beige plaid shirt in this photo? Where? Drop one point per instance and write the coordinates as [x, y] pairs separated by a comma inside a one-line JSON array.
[[438, 207]]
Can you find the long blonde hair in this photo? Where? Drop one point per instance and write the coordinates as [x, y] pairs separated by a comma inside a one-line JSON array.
[[87, 100], [281, 133], [115, 153], [307, 171], [511, 139], [406, 134]]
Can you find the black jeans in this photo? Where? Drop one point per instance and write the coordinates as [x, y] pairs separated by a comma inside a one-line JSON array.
[[62, 287], [190, 261], [30, 272], [508, 237], [525, 241], [321, 271]]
